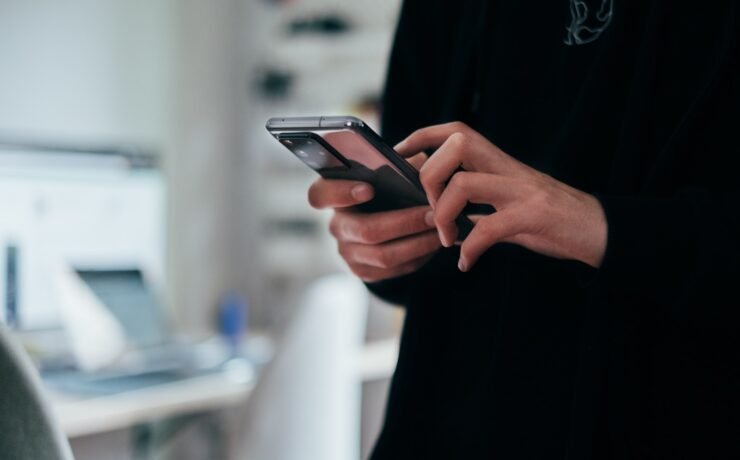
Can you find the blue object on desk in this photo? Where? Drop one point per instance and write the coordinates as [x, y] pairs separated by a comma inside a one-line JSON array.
[[232, 319]]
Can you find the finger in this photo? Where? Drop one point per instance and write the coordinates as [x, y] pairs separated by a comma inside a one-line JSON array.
[[392, 254], [471, 150], [470, 187], [430, 137], [443, 164], [379, 227], [488, 231], [418, 160], [336, 193], [371, 274], [471, 153]]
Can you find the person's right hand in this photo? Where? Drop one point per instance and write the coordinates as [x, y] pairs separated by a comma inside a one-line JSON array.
[[376, 246]]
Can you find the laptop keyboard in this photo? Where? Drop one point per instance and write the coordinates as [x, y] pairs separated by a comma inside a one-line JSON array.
[[96, 385]]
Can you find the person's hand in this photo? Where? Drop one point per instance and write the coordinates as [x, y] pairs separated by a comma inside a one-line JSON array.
[[376, 246], [533, 209]]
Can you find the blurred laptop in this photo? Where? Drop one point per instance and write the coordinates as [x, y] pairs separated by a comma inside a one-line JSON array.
[[154, 356]]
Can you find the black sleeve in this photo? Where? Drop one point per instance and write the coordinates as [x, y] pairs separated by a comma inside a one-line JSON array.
[[681, 251], [678, 252]]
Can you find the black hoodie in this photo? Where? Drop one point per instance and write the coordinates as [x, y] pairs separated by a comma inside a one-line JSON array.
[[528, 357]]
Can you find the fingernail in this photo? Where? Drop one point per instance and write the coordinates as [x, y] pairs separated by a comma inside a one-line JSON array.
[[429, 218], [443, 239], [400, 145], [362, 192], [462, 265]]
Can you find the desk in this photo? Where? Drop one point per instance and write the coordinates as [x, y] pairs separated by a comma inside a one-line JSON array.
[[85, 416]]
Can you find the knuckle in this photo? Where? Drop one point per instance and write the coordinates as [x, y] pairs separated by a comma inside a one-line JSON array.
[[425, 175], [366, 233], [344, 252], [458, 181], [458, 140], [335, 225], [345, 225], [352, 228], [459, 126], [381, 258], [418, 133]]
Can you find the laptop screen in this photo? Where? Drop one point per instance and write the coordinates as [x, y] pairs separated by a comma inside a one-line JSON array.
[[128, 297]]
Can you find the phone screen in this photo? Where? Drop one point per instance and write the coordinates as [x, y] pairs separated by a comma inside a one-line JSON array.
[[356, 148]]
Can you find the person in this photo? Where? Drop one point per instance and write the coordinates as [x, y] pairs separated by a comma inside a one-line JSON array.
[[595, 313]]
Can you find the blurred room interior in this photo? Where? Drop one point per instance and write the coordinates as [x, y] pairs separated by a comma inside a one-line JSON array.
[[161, 264]]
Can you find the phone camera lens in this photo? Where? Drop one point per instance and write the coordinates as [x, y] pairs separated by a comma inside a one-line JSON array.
[[288, 142], [302, 153]]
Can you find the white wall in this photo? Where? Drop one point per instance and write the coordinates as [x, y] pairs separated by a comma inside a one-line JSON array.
[[208, 168], [86, 70]]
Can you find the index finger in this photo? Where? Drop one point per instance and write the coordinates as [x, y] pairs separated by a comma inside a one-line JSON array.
[[430, 137]]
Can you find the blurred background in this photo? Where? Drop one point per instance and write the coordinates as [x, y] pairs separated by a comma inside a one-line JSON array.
[[160, 262]]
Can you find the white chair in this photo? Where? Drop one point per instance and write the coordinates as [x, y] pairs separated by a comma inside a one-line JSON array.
[[307, 403], [27, 431]]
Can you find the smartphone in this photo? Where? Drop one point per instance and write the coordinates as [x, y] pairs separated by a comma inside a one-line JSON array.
[[345, 147]]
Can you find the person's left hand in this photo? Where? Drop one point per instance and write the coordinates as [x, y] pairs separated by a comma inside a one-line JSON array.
[[532, 209]]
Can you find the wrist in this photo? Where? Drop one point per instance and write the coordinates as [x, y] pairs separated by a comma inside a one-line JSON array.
[[596, 233]]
